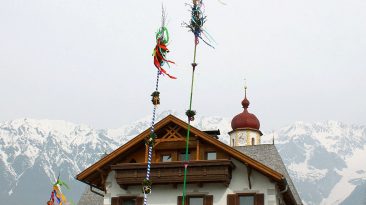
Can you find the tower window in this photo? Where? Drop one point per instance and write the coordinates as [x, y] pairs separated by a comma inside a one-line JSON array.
[[253, 141]]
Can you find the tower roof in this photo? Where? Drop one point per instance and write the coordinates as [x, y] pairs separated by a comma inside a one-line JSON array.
[[245, 119]]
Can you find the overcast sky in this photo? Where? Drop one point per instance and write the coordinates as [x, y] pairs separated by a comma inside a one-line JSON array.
[[90, 61]]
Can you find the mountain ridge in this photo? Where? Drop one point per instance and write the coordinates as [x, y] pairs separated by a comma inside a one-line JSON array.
[[45, 148]]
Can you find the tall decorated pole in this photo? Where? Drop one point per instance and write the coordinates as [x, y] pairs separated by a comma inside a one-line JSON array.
[[196, 27], [159, 53]]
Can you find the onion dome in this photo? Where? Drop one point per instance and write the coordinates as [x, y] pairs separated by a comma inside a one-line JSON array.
[[245, 119]]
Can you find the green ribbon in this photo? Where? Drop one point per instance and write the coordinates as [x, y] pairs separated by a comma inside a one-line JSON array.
[[163, 34], [61, 183]]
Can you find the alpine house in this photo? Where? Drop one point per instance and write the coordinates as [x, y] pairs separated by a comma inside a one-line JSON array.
[[245, 172]]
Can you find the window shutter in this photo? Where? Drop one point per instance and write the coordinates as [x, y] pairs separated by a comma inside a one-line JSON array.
[[231, 199], [180, 198], [115, 201], [139, 200], [259, 199], [208, 200]]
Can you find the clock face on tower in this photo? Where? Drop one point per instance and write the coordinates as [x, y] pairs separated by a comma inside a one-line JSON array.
[[241, 138]]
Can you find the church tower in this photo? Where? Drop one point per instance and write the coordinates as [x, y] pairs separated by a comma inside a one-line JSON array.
[[245, 127]]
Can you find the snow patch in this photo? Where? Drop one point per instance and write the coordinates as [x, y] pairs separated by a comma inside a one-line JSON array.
[[345, 186]]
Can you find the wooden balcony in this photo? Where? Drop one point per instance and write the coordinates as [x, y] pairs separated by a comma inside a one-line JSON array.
[[199, 172]]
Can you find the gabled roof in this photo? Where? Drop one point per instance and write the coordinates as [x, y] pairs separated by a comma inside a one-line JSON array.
[[93, 173]]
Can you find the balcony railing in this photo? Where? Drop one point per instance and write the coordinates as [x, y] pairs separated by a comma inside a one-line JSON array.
[[200, 172]]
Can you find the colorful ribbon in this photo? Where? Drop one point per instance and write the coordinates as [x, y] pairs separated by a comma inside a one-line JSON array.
[[161, 50], [57, 198], [198, 18]]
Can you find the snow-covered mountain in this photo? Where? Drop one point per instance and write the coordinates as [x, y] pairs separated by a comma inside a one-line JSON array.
[[325, 160], [34, 152]]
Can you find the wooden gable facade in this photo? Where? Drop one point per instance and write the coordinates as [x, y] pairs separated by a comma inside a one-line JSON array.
[[210, 161]]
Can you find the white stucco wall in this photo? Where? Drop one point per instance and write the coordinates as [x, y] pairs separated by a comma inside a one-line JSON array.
[[167, 194]]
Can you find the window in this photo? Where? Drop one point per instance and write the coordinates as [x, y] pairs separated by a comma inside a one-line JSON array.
[[211, 155], [182, 156], [166, 158], [245, 199], [127, 200], [196, 200], [253, 142]]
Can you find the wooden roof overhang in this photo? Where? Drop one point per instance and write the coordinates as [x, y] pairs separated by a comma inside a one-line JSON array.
[[96, 174]]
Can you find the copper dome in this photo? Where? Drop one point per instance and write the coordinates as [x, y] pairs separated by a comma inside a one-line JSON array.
[[245, 119]]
